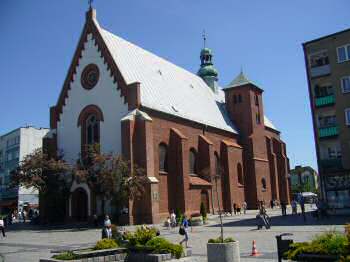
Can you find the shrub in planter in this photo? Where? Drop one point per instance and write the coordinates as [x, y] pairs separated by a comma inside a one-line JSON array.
[[141, 236], [69, 255], [329, 243], [226, 250], [105, 244], [161, 245], [219, 240]]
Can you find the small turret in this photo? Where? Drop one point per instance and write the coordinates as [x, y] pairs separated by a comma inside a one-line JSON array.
[[207, 71]]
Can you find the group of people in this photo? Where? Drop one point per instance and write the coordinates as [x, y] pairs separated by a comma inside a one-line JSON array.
[[171, 222]]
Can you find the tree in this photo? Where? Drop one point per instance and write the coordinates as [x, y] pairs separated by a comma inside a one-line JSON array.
[[47, 175], [110, 176], [216, 177]]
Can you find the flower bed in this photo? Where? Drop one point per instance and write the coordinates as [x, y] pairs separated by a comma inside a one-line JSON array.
[[329, 246]]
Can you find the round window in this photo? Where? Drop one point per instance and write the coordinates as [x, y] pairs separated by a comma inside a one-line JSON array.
[[90, 76]]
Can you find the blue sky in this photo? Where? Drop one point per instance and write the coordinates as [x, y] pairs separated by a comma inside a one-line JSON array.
[[38, 39]]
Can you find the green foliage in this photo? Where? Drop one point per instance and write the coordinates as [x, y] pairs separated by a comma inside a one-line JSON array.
[[219, 240], [328, 243], [141, 236], [160, 245], [179, 215], [203, 211], [105, 244], [345, 259], [69, 255]]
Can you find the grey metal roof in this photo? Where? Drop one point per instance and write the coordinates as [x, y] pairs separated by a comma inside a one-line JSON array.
[[168, 88]]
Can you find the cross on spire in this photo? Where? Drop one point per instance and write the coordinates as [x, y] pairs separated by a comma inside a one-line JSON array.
[[90, 3], [204, 38]]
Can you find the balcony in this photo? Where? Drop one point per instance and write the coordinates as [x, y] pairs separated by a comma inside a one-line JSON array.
[[325, 101], [331, 164], [324, 132], [320, 70]]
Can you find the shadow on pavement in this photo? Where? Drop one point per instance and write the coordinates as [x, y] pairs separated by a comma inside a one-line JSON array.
[[290, 220], [60, 227]]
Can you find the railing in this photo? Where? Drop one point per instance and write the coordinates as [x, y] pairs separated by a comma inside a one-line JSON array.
[[324, 101], [328, 131], [331, 164]]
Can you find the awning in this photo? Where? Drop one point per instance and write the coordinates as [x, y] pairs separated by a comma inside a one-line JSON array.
[[197, 181]]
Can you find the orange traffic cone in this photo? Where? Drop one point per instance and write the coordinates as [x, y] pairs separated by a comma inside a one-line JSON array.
[[255, 252]]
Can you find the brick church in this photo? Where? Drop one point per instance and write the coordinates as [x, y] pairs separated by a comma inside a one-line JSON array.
[[182, 128]]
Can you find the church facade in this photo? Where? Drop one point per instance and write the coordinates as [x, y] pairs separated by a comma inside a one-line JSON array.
[[189, 134]]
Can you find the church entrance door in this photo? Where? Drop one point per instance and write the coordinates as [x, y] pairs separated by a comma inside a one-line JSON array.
[[79, 205], [205, 199]]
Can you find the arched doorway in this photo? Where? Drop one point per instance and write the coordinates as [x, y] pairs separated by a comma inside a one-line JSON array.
[[205, 199], [79, 205]]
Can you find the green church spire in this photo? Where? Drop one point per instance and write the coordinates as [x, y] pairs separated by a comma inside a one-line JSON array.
[[207, 70]]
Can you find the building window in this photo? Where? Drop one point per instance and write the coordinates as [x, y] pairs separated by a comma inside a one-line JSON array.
[[263, 183], [347, 116], [239, 98], [343, 53], [163, 158], [319, 59], [327, 121], [345, 84], [256, 100], [92, 130], [257, 118], [322, 91], [240, 174], [234, 99], [193, 161], [334, 152], [90, 76]]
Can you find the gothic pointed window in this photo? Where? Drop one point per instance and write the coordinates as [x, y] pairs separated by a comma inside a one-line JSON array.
[[163, 158], [263, 184], [192, 161], [92, 130], [217, 165]]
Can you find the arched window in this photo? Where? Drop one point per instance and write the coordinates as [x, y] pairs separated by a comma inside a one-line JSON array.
[[263, 183], [239, 98], [256, 100], [240, 174], [234, 99], [193, 161], [92, 126], [163, 157]]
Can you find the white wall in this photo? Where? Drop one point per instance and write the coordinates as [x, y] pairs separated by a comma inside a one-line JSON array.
[[105, 95]]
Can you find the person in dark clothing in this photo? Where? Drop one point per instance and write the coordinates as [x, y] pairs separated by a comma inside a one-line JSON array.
[[302, 207], [271, 203], [2, 227], [284, 208]]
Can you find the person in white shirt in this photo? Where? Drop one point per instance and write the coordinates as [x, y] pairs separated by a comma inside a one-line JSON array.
[[2, 227], [172, 219]]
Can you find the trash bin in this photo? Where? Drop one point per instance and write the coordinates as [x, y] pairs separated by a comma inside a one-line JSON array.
[[283, 244]]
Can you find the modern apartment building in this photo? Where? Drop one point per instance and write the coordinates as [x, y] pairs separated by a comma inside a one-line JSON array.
[[328, 71], [14, 146]]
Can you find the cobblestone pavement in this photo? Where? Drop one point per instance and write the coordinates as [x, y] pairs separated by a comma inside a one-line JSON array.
[[28, 243]]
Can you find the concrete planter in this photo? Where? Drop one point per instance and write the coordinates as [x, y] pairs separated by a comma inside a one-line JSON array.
[[223, 252]]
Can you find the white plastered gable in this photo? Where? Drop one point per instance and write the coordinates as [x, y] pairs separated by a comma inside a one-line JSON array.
[[105, 95]]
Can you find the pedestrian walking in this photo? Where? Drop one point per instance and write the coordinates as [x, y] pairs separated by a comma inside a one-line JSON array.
[[284, 208], [294, 207], [244, 206], [302, 207], [107, 230], [235, 208], [2, 227], [107, 221], [184, 231], [172, 219], [271, 203]]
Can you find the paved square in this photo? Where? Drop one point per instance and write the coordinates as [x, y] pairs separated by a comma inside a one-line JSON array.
[[29, 243]]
